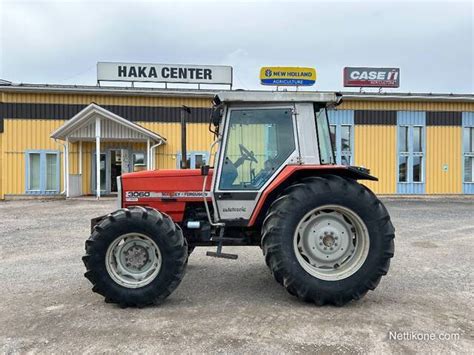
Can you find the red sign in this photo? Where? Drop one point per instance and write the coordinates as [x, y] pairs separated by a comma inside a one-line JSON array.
[[371, 77]]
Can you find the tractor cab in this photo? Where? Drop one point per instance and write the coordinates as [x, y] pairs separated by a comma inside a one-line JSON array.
[[262, 136]]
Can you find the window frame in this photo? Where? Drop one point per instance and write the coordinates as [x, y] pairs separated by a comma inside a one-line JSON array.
[[339, 119], [467, 123], [225, 136], [43, 172], [319, 135], [411, 154], [192, 158], [131, 161], [411, 119], [467, 154]]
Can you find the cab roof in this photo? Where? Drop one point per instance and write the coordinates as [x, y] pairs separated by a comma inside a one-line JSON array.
[[329, 98]]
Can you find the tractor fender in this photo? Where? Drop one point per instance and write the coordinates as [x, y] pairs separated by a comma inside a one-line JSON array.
[[292, 173]]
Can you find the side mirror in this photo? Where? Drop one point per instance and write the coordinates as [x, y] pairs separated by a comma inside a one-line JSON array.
[[216, 116], [205, 170]]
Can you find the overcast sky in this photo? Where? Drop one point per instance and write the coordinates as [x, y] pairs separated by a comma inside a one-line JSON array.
[[61, 41]]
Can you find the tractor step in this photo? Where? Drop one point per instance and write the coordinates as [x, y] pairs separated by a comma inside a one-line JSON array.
[[222, 255], [219, 253]]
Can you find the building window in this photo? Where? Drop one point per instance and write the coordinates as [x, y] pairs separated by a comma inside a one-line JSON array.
[[42, 172], [194, 160], [403, 154], [410, 154], [34, 171], [468, 154], [342, 135], [138, 161]]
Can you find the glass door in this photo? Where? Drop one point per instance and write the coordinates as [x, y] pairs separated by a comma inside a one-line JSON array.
[[115, 168], [103, 174]]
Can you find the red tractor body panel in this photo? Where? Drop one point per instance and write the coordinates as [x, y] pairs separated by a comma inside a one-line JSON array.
[[309, 170], [167, 191]]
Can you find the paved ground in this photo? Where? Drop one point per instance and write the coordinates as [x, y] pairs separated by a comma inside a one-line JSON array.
[[46, 305]]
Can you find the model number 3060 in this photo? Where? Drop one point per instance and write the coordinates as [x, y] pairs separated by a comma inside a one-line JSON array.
[[138, 194]]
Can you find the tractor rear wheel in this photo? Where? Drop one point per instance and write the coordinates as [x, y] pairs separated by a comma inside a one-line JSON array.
[[135, 257], [328, 240]]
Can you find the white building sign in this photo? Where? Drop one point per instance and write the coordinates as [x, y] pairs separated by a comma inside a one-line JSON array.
[[164, 73]]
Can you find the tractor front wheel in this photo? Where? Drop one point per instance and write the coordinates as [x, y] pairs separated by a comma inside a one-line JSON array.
[[135, 257], [328, 240]]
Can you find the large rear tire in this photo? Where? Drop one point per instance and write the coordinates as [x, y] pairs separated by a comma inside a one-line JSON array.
[[135, 257], [328, 240]]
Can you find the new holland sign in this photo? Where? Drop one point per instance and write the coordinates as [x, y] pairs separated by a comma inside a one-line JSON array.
[[372, 77], [164, 73], [287, 76]]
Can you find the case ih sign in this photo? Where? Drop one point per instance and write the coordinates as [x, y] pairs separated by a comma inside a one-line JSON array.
[[371, 77]]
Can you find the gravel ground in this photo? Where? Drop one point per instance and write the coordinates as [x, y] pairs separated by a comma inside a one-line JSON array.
[[234, 306]]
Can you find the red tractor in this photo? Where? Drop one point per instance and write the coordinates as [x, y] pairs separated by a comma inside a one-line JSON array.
[[274, 184]]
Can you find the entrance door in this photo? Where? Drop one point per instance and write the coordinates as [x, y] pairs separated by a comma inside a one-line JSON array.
[[115, 168], [103, 173], [411, 152], [113, 163]]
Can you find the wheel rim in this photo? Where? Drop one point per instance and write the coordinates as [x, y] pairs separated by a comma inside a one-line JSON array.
[[133, 260], [331, 242]]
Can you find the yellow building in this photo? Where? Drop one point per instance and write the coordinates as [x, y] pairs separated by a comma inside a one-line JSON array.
[[414, 143]]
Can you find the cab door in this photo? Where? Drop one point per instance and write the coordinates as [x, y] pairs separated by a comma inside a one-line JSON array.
[[257, 143]]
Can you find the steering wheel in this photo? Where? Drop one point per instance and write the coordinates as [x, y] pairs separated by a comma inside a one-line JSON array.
[[246, 154]]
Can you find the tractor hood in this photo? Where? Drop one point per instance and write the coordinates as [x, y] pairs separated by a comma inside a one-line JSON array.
[[166, 190]]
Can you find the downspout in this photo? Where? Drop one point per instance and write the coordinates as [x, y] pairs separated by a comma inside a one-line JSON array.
[[152, 154], [67, 166], [64, 165]]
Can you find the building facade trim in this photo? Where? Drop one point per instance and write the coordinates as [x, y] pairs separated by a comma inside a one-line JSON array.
[[443, 118], [375, 117], [131, 113]]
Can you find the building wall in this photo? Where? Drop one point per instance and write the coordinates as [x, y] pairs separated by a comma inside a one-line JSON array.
[[374, 130], [20, 136], [376, 145], [406, 105], [119, 100], [444, 160], [2, 169], [375, 148]]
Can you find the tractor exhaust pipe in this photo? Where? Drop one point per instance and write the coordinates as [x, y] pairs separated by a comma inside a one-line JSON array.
[[184, 154]]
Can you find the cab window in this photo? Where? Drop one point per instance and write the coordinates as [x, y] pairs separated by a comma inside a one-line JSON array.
[[259, 142], [326, 153]]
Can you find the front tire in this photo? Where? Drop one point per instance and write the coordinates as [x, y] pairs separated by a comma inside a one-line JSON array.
[[328, 240], [135, 257]]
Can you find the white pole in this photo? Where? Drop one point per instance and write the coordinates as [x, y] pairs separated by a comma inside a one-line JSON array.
[[148, 154], [97, 155], [64, 166], [80, 157], [67, 166]]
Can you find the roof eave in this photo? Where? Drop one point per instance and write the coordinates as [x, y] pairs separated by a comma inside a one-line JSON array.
[[75, 123]]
